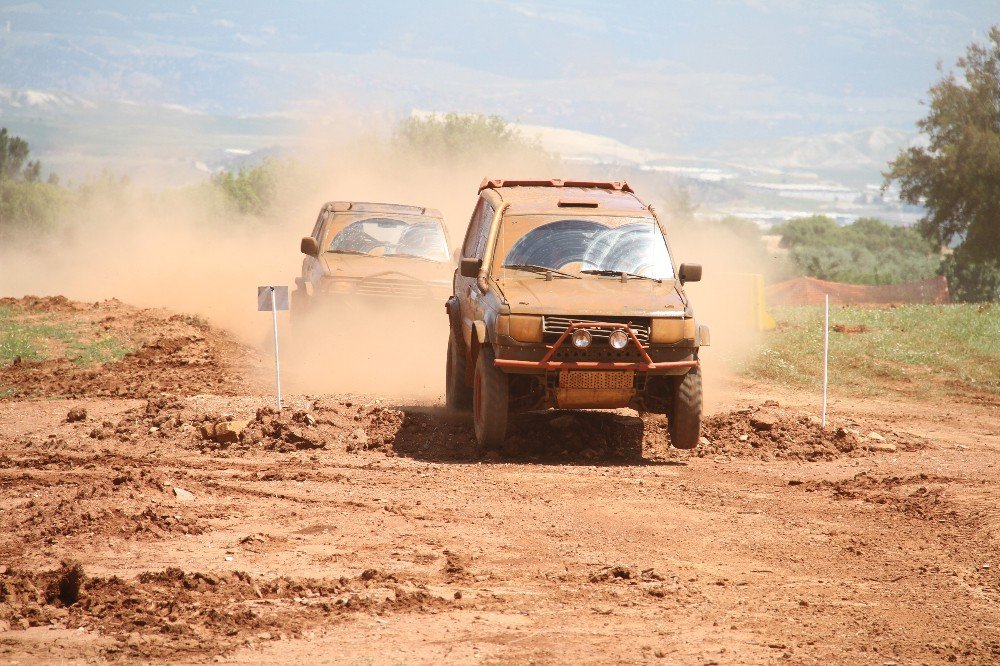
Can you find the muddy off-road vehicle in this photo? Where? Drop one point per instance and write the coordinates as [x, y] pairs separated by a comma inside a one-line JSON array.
[[567, 296], [370, 253]]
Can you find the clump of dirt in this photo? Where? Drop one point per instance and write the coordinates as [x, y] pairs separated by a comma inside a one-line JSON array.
[[768, 431], [850, 328], [282, 432], [917, 496], [76, 414], [168, 353], [456, 565], [164, 614], [649, 581], [324, 425]]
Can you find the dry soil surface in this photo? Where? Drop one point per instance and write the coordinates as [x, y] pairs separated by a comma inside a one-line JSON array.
[[155, 509]]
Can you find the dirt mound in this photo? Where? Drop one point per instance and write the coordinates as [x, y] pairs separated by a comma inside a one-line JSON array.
[[166, 353], [918, 496], [42, 303], [119, 501], [768, 431], [171, 613], [325, 424]]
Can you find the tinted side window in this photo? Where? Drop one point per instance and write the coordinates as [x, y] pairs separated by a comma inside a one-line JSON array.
[[472, 234], [319, 225], [484, 228]]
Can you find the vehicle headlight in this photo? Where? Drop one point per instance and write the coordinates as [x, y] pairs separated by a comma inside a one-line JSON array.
[[618, 339], [671, 330], [339, 286], [523, 328], [582, 338]]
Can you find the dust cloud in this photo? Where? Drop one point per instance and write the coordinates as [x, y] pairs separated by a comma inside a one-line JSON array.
[[724, 299], [187, 250]]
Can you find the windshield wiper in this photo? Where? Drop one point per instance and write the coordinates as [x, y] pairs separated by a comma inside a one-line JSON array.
[[411, 256], [347, 252], [534, 268], [605, 271]]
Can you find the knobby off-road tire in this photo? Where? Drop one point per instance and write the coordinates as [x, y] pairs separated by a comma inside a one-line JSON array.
[[684, 419], [490, 404], [458, 395]]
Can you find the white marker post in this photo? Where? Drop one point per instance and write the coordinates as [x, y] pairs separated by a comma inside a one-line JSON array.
[[826, 352], [274, 298]]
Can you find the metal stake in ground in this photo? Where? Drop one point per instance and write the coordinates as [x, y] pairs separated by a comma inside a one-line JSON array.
[[274, 298], [826, 351]]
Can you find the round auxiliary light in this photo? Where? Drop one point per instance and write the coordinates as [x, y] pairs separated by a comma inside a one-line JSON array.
[[581, 338], [618, 339]]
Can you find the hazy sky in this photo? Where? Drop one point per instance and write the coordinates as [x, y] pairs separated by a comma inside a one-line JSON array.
[[667, 75]]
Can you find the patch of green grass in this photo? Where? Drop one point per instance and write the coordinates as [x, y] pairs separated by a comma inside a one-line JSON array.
[[99, 351], [37, 339], [928, 348]]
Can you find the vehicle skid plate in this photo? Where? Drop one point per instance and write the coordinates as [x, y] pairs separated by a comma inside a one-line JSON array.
[[586, 379]]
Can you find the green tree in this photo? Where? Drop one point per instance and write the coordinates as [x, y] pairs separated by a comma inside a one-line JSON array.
[[28, 208], [14, 163], [971, 281], [460, 138], [251, 190], [957, 175], [867, 251]]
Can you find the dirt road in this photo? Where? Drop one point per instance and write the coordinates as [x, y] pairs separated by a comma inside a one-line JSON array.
[[349, 530]]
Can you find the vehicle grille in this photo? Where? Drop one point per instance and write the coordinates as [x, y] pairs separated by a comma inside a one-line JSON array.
[[553, 327], [393, 288]]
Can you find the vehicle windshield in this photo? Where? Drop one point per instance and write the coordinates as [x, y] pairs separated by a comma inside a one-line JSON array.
[[593, 246], [388, 236]]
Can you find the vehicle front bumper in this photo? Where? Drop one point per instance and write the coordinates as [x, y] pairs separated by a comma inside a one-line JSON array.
[[666, 359]]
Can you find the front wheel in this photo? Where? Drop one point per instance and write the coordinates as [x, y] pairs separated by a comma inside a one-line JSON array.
[[458, 395], [299, 307], [490, 403], [684, 419]]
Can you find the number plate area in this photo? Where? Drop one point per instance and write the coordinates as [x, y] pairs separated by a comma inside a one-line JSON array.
[[596, 379]]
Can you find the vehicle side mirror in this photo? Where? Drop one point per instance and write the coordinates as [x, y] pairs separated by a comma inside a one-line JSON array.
[[470, 267], [310, 246], [689, 273]]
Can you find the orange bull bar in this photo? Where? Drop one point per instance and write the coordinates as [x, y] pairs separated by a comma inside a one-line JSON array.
[[547, 363]]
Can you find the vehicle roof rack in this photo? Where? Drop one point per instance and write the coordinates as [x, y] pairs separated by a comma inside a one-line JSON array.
[[375, 207], [616, 185]]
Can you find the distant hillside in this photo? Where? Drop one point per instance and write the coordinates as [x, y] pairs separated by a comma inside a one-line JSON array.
[[859, 155], [836, 174]]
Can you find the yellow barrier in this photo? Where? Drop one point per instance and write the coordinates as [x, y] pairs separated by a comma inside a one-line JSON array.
[[753, 283]]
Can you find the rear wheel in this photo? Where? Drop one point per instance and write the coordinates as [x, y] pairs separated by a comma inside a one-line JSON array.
[[458, 395], [490, 403], [684, 418]]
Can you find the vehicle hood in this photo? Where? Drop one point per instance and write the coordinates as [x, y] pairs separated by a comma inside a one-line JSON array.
[[357, 266], [591, 296]]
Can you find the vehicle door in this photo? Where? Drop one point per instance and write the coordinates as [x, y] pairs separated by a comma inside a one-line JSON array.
[[467, 289]]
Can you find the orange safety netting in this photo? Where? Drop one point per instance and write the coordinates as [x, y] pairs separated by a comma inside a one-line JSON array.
[[810, 291]]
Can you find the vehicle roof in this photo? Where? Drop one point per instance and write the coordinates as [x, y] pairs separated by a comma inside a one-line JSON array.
[[585, 199], [372, 207]]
